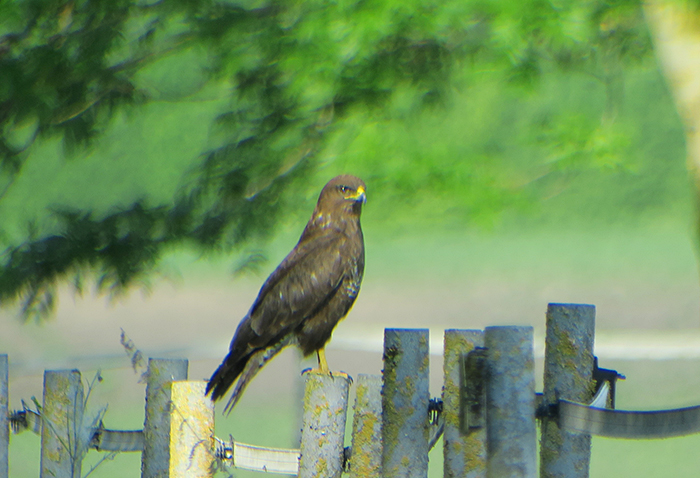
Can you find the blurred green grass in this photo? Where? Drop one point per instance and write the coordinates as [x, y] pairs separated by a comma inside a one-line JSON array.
[[651, 256]]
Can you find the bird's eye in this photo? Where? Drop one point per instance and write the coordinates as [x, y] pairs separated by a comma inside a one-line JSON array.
[[343, 189]]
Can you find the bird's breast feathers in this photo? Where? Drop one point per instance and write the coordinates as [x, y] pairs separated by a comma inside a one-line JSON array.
[[353, 280]]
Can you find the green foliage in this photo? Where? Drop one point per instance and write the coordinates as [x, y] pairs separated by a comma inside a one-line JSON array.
[[450, 110], [68, 67], [497, 156]]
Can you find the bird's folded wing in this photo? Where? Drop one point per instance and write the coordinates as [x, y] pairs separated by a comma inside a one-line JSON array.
[[306, 279]]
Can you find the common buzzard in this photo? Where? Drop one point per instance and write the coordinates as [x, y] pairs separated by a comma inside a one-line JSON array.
[[306, 296]]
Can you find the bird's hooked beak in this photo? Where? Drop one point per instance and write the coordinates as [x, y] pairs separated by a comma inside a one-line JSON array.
[[360, 196]]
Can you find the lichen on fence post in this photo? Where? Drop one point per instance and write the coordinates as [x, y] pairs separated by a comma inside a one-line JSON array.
[[156, 456], [568, 373], [323, 425], [191, 430], [405, 396], [63, 438], [366, 458], [510, 402], [4, 423], [465, 453]]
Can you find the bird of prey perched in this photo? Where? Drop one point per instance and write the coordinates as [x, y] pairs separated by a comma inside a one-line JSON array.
[[306, 296]]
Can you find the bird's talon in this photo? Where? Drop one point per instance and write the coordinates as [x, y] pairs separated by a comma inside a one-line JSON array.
[[341, 374], [318, 371]]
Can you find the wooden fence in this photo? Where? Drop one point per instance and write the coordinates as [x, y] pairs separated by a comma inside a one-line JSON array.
[[486, 415]]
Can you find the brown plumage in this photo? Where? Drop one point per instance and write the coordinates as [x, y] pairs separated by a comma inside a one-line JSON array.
[[307, 295]]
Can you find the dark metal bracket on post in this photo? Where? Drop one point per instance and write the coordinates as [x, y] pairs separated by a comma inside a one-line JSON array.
[[436, 419], [602, 375], [472, 403]]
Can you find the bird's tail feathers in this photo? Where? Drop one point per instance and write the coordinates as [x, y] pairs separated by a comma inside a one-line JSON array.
[[255, 362]]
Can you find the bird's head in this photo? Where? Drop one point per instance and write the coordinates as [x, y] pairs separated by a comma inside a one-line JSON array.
[[346, 193]]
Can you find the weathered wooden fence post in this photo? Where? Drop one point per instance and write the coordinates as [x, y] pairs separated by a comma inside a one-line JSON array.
[[366, 458], [155, 458], [323, 425], [63, 440], [4, 424], [568, 373], [510, 402], [464, 450], [191, 430], [405, 396]]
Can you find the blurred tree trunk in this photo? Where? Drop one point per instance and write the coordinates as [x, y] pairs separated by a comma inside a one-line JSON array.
[[675, 28]]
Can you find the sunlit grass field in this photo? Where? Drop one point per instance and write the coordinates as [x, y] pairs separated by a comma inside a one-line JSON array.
[[495, 279]]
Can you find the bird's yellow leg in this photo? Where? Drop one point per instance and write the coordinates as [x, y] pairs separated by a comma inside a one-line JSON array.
[[323, 366], [322, 363]]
